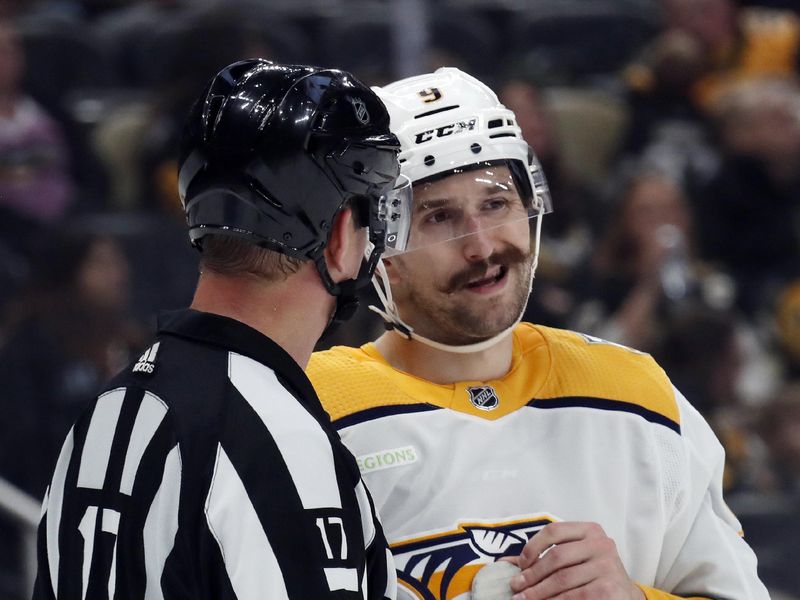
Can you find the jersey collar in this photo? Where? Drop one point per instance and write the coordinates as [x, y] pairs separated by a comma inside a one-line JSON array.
[[235, 336], [530, 368]]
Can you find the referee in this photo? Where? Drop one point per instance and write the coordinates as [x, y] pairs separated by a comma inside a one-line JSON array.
[[207, 469]]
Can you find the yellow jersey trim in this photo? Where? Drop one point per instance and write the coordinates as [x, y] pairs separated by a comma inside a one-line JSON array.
[[654, 594], [550, 368]]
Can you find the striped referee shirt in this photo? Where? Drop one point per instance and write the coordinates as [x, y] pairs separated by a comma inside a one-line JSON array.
[[208, 469]]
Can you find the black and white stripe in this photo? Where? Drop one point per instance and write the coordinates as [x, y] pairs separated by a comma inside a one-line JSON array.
[[215, 474]]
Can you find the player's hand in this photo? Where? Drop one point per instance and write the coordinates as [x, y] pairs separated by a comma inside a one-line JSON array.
[[572, 561]]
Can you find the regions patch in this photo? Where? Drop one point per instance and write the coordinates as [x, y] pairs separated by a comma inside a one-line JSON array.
[[387, 459]]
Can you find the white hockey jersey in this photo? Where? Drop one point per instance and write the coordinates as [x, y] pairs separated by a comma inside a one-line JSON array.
[[578, 430]]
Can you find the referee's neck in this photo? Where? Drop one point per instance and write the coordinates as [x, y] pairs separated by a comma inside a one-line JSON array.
[[293, 312]]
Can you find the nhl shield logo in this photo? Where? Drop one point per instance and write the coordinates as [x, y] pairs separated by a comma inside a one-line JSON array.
[[484, 397], [360, 109]]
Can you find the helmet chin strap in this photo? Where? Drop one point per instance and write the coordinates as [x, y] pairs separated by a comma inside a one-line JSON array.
[[392, 320], [345, 293]]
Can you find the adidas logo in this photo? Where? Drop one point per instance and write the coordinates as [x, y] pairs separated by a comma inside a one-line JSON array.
[[146, 362]]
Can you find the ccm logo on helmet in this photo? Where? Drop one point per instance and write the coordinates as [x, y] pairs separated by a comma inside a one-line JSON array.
[[445, 130]]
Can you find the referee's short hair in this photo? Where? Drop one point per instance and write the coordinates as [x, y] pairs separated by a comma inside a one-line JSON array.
[[235, 256], [227, 255]]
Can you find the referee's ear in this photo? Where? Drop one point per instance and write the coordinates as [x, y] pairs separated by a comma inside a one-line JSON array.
[[346, 246]]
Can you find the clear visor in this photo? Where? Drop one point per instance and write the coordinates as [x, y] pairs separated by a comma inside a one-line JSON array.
[[464, 201]]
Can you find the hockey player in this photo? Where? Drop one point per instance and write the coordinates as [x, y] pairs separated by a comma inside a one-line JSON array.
[[208, 469], [482, 437]]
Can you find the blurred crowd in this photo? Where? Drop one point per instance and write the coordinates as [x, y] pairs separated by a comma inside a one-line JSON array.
[[669, 131]]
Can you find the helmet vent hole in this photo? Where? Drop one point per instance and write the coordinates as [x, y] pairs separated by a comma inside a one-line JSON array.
[[495, 123], [499, 135], [429, 160], [476, 148], [358, 167]]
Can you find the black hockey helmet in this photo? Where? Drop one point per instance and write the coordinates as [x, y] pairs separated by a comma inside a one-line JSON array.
[[271, 152]]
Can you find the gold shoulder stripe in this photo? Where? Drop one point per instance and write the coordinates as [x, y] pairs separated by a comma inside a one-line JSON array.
[[349, 381], [589, 368], [654, 594]]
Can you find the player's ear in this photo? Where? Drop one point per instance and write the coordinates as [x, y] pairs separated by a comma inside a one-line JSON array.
[[393, 269], [345, 244]]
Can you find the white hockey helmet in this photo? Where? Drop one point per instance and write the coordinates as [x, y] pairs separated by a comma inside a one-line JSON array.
[[448, 122]]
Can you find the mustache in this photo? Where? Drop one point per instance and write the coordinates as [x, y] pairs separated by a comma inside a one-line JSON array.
[[509, 257]]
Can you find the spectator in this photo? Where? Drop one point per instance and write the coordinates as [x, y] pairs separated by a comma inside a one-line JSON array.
[[704, 352], [34, 179], [787, 321], [66, 335], [660, 83], [666, 126], [701, 353], [737, 44], [780, 429], [129, 30], [645, 264], [747, 211]]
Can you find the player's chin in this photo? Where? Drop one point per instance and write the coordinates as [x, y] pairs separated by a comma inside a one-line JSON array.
[[491, 323]]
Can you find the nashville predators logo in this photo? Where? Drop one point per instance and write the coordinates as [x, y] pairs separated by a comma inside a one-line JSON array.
[[441, 566]]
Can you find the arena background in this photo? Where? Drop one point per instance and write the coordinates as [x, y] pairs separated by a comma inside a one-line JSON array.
[[669, 131]]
